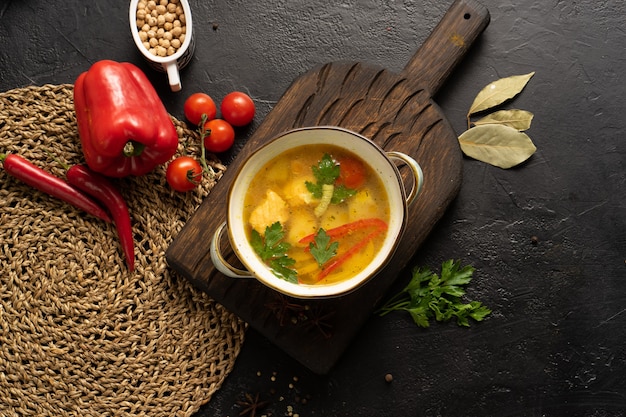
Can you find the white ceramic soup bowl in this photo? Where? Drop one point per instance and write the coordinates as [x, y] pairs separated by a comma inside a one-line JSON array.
[[382, 162], [170, 64]]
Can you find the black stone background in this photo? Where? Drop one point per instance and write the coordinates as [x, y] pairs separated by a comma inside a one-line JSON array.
[[547, 239]]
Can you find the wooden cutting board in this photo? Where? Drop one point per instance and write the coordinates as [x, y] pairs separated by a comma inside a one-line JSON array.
[[397, 112]]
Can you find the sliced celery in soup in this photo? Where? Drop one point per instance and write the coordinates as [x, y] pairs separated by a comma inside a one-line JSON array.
[[332, 207]]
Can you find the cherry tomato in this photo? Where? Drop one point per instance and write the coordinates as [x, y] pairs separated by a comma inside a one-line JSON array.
[[351, 173], [219, 135], [198, 104], [184, 173], [237, 108]]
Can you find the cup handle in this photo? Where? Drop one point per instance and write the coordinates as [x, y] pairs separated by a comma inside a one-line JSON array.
[[416, 172], [218, 259], [172, 75]]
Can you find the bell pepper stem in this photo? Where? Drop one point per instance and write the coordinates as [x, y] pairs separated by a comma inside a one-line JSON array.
[[133, 148]]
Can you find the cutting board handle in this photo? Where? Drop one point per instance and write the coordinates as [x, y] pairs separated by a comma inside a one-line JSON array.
[[447, 44]]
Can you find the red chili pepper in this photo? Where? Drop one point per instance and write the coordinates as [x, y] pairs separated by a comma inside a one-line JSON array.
[[344, 229], [101, 188], [30, 174], [347, 255]]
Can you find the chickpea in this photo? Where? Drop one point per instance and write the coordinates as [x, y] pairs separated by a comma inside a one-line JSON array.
[[164, 43], [176, 31], [161, 26]]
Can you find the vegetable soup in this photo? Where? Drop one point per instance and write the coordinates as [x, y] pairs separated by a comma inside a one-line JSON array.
[[316, 214]]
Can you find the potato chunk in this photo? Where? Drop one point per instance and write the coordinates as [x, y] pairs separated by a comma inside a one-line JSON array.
[[302, 223], [362, 205]]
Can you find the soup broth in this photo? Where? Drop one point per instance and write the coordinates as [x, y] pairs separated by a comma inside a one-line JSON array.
[[316, 214]]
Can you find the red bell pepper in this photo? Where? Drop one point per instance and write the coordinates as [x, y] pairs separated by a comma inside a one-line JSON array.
[[123, 125]]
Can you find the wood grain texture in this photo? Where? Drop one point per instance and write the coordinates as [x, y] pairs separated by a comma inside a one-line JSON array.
[[394, 110]]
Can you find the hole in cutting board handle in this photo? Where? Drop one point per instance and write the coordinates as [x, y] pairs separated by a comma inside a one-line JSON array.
[[467, 16]]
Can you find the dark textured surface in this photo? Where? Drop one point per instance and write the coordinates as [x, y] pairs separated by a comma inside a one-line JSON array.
[[555, 344]]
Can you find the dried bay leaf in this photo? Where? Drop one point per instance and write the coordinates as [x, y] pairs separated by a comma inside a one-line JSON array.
[[499, 91], [517, 119], [498, 145]]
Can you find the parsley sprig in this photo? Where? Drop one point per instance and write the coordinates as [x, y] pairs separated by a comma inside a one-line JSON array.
[[273, 251], [429, 296], [326, 173], [322, 248]]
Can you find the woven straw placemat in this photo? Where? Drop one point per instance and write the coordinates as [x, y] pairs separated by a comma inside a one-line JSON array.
[[79, 334]]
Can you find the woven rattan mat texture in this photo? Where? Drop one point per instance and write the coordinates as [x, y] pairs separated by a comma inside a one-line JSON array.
[[79, 334]]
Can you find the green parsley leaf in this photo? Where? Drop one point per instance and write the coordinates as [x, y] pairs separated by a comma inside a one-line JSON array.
[[273, 251], [321, 248], [314, 188], [429, 296], [326, 172], [341, 194], [281, 267]]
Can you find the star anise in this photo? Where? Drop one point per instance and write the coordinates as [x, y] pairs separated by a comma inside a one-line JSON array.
[[319, 319], [251, 405], [284, 309]]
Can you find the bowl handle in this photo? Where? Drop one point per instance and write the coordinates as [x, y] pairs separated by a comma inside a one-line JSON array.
[[218, 259], [416, 172]]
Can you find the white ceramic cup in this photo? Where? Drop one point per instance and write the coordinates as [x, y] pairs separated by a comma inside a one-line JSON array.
[[168, 64], [383, 163]]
